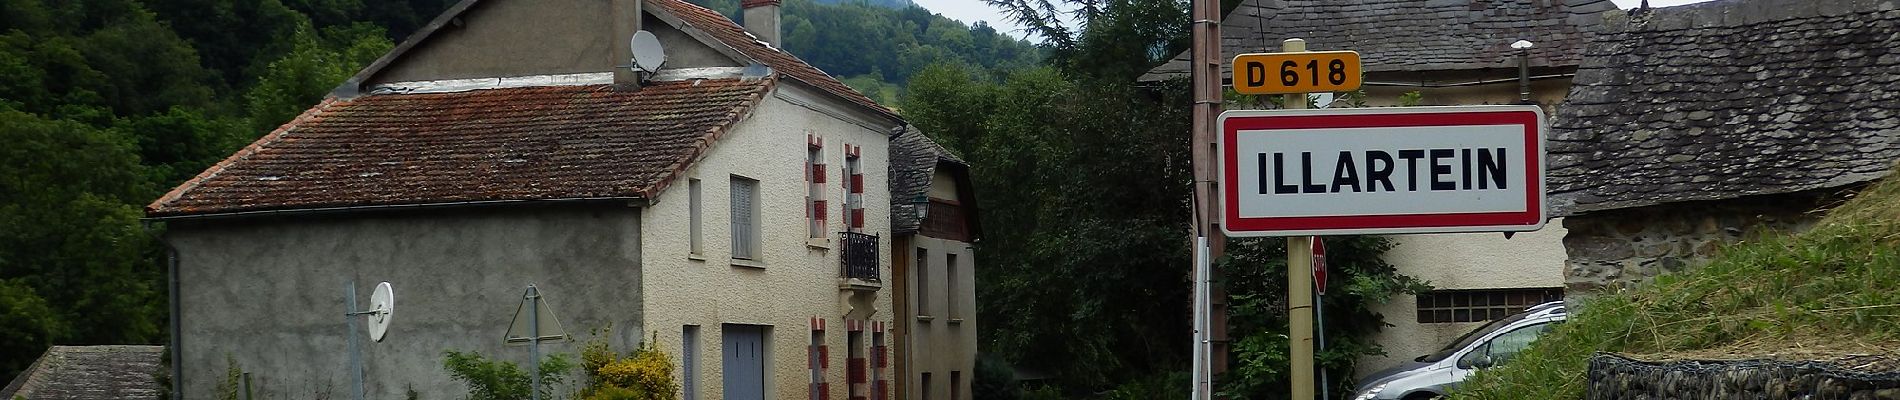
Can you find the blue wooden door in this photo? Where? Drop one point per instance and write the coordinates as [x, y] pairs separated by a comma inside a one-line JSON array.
[[743, 362]]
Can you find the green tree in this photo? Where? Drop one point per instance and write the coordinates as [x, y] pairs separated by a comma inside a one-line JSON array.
[[27, 325], [71, 231], [316, 64]]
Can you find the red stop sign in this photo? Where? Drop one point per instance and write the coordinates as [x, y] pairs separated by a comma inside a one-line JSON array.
[[1319, 265]]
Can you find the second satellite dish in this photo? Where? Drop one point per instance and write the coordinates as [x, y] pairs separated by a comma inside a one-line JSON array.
[[382, 306], [648, 55]]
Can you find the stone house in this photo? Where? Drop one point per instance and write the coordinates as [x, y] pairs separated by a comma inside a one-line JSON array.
[[1692, 126], [934, 218], [1453, 53], [717, 205]]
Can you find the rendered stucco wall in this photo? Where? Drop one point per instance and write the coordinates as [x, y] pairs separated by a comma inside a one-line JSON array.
[[514, 38], [799, 280], [1461, 261], [941, 342], [545, 37], [268, 294]]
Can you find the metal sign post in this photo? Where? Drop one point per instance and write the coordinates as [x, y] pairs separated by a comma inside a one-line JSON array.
[[532, 333], [1319, 307], [1203, 376], [356, 348], [534, 345]]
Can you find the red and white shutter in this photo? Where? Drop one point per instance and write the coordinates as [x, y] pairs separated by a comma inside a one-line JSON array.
[[818, 362], [854, 186]]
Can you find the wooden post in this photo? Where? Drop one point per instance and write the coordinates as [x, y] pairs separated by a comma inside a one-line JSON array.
[[1205, 69], [1299, 283]]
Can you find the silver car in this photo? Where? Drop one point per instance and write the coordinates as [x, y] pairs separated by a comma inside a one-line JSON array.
[[1433, 375]]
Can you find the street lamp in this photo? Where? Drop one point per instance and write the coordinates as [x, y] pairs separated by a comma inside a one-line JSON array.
[[1523, 70], [922, 204]]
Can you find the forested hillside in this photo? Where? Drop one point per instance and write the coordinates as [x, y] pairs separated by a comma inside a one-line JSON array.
[[877, 49], [106, 104]]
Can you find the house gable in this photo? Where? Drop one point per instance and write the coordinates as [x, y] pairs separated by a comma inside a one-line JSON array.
[[510, 38]]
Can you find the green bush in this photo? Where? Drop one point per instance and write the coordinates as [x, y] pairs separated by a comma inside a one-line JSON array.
[[503, 380], [646, 373], [994, 380]]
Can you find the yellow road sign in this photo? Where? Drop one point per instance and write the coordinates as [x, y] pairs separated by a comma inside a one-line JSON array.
[[1303, 72]]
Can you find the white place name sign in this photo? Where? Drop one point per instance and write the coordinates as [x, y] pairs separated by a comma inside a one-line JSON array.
[[1382, 170]]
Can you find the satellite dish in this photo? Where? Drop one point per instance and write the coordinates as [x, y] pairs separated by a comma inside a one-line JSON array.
[[648, 55], [382, 305]]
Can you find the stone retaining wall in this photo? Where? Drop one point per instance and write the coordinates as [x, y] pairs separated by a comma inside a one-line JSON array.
[[1614, 248], [1614, 377]]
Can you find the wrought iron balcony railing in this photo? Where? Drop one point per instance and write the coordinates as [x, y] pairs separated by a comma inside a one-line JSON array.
[[858, 260]]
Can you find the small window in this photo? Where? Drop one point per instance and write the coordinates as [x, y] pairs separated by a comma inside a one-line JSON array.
[[745, 218], [926, 386], [854, 189], [689, 359], [923, 281], [815, 191], [956, 385], [1481, 305], [951, 295], [695, 219]]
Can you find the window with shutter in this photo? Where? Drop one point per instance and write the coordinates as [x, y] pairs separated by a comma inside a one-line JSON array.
[[950, 282], [745, 224], [854, 189], [695, 211], [815, 192], [923, 282]]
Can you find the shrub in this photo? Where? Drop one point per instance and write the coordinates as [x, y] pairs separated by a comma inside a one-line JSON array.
[[644, 374], [503, 380], [994, 380]]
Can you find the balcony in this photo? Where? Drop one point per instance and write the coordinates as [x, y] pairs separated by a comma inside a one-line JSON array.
[[945, 220], [858, 261]]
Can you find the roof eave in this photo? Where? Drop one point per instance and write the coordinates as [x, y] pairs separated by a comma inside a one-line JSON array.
[[188, 215]]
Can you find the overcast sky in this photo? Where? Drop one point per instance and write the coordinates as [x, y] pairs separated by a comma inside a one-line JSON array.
[[970, 11]]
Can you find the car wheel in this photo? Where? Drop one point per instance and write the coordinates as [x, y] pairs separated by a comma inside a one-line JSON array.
[[1423, 396]]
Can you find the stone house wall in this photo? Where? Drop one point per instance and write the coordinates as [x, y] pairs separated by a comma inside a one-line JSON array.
[[1612, 248]]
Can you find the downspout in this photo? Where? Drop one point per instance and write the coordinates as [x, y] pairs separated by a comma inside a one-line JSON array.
[[177, 329], [174, 329]]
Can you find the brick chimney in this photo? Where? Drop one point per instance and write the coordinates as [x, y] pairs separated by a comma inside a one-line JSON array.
[[761, 18], [626, 15]]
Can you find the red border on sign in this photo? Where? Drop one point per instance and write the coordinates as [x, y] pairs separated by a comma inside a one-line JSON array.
[[1532, 214]]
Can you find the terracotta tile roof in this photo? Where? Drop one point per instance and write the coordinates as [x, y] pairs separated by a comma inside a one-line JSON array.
[[1727, 99], [532, 143], [90, 372], [1409, 35], [735, 36]]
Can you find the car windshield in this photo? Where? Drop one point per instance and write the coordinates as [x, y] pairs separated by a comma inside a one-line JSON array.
[[1469, 337]]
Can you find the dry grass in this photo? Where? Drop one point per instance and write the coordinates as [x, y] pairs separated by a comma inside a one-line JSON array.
[[1831, 291]]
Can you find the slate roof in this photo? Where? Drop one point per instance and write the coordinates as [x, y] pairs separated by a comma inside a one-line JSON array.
[[1409, 35], [510, 144], [914, 162], [1727, 99], [89, 372]]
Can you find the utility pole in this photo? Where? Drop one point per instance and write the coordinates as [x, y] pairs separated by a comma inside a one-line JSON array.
[[1205, 67]]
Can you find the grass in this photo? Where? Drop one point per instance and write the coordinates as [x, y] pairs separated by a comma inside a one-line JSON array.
[[1831, 290]]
